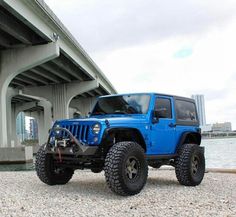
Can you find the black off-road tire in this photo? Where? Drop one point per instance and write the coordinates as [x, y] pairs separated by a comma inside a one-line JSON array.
[[122, 160], [47, 172], [96, 170], [190, 165]]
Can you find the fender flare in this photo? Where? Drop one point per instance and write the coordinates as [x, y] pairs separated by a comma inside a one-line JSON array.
[[183, 137], [108, 130]]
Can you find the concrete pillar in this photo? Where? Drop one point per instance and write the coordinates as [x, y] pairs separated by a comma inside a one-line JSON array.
[[72, 111], [12, 63], [38, 116], [84, 105], [41, 129], [60, 95], [11, 119], [13, 137], [3, 118], [45, 120], [74, 89], [6, 119], [59, 102]]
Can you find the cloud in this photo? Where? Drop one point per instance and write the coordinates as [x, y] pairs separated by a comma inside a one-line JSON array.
[[209, 70], [183, 53], [177, 47], [211, 95], [108, 25]]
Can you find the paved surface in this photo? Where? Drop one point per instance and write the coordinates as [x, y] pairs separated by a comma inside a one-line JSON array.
[[22, 194]]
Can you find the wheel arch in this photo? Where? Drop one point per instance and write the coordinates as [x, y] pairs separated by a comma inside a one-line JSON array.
[[189, 137], [125, 134]]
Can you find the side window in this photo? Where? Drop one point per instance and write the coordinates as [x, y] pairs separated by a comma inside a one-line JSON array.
[[163, 107], [186, 111]]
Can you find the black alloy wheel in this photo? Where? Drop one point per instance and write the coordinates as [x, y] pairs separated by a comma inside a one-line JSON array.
[[190, 165], [126, 168]]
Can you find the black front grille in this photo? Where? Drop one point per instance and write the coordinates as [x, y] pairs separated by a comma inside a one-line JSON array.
[[78, 131]]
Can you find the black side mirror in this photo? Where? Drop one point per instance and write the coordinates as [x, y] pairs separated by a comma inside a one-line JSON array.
[[155, 116]]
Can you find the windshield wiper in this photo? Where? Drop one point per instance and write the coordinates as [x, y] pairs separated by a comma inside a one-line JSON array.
[[98, 113], [120, 112]]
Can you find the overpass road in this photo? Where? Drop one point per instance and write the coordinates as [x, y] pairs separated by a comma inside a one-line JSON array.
[[44, 72]]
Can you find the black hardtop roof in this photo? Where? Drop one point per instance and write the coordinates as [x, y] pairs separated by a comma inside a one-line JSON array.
[[153, 93]]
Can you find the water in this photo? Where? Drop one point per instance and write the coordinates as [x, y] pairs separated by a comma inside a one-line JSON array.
[[17, 167], [219, 153]]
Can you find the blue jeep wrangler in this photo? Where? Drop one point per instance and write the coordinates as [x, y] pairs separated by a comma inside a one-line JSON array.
[[123, 135]]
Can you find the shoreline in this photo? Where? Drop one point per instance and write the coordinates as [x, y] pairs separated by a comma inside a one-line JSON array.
[[220, 137], [220, 170], [208, 170]]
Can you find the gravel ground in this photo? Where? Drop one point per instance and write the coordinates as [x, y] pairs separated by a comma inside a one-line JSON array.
[[22, 194]]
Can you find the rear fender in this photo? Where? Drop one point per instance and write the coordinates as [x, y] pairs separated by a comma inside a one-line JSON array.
[[189, 137]]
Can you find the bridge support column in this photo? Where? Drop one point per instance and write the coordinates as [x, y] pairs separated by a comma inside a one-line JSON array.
[[83, 105], [39, 117], [41, 133], [12, 63], [3, 118], [11, 118], [13, 137], [60, 95], [60, 109], [44, 121], [44, 118]]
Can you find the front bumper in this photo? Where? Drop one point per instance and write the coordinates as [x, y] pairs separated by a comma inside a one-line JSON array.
[[87, 151], [75, 147]]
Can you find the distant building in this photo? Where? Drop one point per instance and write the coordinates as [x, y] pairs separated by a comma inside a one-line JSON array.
[[206, 128], [33, 129], [20, 127], [222, 127], [27, 135], [200, 103]]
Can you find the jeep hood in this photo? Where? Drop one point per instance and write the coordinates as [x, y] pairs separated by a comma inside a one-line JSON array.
[[113, 120]]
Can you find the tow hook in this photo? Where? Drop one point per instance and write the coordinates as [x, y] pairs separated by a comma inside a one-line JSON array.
[[59, 155]]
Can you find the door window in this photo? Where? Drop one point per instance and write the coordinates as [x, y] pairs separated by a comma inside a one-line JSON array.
[[163, 107]]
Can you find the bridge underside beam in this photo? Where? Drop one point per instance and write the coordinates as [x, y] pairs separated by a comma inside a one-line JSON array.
[[16, 31], [60, 95], [13, 62]]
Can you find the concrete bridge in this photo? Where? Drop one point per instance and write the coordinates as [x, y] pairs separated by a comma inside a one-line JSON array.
[[43, 72]]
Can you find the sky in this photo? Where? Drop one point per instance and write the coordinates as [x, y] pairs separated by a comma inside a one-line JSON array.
[[177, 47]]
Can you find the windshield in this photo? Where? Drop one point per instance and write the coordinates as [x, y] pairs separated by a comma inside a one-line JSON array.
[[127, 104]]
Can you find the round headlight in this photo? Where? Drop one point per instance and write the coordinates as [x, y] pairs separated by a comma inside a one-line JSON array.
[[57, 131], [96, 128]]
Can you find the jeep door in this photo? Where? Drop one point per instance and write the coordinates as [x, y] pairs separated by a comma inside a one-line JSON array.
[[163, 131]]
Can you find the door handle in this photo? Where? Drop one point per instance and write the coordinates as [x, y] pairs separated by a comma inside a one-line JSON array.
[[172, 125]]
